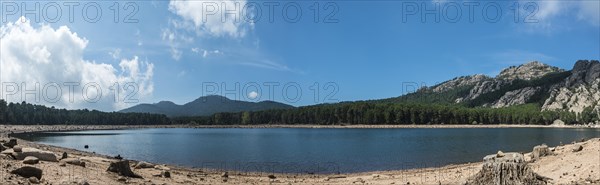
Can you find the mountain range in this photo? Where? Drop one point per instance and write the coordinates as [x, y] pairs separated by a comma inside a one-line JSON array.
[[551, 88], [534, 83], [204, 106]]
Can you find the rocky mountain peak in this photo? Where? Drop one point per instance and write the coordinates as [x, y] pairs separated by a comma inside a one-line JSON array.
[[459, 82], [579, 91], [527, 71], [584, 71]]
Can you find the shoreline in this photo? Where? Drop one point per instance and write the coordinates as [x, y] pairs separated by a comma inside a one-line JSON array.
[[4, 129], [393, 126], [447, 174]]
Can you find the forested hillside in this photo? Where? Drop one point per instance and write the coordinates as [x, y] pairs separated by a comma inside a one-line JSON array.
[[29, 114], [389, 113]]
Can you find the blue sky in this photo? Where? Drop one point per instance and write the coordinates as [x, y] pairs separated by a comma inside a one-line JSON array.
[[367, 49]]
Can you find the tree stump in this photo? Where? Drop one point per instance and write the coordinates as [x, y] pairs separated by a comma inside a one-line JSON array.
[[510, 169], [122, 168]]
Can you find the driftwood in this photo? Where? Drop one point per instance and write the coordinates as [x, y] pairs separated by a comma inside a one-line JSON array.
[[506, 169], [122, 168]]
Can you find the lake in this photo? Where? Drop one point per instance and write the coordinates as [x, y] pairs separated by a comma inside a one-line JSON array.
[[306, 150]]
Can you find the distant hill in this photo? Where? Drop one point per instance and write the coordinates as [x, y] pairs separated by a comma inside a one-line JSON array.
[[204, 106]]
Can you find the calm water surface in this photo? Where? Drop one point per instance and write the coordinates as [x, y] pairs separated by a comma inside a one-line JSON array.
[[300, 150]]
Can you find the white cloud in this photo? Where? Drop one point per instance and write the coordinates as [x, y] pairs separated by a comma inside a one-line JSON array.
[[175, 41], [590, 11], [267, 64], [195, 22], [205, 53], [252, 95], [50, 56], [138, 35], [208, 16], [553, 15], [115, 54], [548, 9]]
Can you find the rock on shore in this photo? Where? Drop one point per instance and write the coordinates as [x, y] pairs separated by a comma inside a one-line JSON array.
[[28, 171], [540, 151], [33, 152]]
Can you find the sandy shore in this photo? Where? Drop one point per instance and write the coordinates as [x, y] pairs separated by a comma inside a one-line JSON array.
[[564, 166]]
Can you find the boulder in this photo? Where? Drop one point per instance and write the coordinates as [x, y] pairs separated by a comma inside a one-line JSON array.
[[31, 160], [8, 152], [11, 143], [161, 167], [577, 148], [166, 174], [540, 151], [508, 169], [500, 154], [34, 180], [225, 174], [28, 171], [143, 164], [17, 148], [73, 161], [558, 123], [122, 168], [501, 157], [40, 154]]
